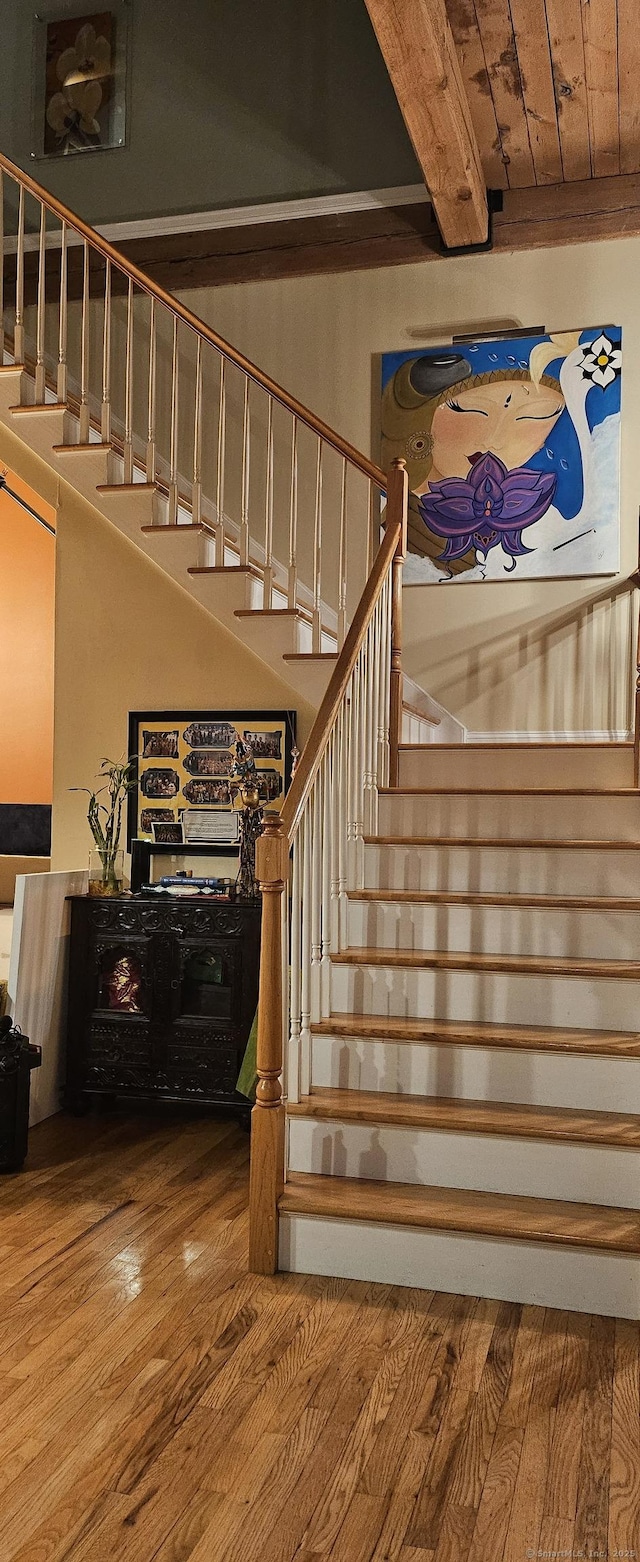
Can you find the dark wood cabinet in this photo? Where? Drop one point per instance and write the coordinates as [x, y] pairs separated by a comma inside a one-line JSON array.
[[162, 996]]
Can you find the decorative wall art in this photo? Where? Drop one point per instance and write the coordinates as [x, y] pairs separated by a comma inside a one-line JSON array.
[[184, 776], [512, 447], [79, 80]]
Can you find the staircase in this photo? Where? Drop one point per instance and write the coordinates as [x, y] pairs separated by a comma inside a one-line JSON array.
[[472, 1121], [449, 1069]]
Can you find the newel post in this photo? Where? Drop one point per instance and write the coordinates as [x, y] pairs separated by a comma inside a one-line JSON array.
[[397, 508], [267, 1118]]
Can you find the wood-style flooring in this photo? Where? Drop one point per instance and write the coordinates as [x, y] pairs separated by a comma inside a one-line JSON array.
[[159, 1402]]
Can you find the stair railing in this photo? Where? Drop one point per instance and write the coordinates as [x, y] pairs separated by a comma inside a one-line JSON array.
[[314, 850], [187, 413]]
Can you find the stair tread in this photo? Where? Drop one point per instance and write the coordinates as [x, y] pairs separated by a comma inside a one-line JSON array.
[[469, 1116], [509, 791], [161, 528], [438, 897], [40, 406], [480, 1033], [466, 960], [533, 748], [520, 842], [460, 1209], [90, 444]]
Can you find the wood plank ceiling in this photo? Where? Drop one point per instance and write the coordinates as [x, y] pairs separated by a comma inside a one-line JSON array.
[[553, 87]]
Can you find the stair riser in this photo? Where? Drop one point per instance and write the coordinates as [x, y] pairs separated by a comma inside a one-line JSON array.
[[505, 930], [593, 1174], [605, 1084], [504, 869], [502, 998], [546, 1275], [466, 765], [511, 816]]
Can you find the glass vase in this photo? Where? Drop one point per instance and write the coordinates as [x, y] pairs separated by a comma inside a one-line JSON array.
[[106, 872]]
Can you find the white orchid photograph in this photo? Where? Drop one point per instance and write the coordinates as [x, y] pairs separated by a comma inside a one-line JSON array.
[[82, 90]]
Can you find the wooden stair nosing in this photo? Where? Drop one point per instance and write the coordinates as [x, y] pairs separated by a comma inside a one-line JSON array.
[[371, 1028], [40, 406], [493, 841], [307, 656], [506, 747], [126, 488], [467, 960], [443, 897], [89, 444], [508, 791], [225, 569], [453, 1114], [502, 1215], [162, 527]]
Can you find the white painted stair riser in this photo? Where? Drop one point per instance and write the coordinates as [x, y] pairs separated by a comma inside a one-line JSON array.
[[544, 1274], [599, 1003], [505, 765], [520, 870], [597, 1084], [511, 816], [534, 1168], [509, 930]]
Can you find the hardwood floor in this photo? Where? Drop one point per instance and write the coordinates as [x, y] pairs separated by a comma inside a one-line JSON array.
[[159, 1402]]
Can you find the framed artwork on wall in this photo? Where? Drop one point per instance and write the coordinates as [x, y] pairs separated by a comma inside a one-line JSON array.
[[512, 447], [79, 79], [184, 771]]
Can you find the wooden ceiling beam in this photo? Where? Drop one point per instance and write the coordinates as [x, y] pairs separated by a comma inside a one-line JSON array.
[[420, 54]]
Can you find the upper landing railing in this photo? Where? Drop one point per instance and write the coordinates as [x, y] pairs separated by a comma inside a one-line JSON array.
[[278, 487]]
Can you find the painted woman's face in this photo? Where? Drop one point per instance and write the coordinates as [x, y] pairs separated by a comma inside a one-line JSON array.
[[510, 418]]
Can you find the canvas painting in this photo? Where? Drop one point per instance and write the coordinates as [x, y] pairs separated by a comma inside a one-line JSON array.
[[512, 447]]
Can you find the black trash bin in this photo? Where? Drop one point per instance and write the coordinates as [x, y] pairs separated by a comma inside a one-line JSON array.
[[17, 1058]]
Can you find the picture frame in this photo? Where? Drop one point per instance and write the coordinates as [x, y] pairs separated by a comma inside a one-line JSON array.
[[79, 78], [184, 764]]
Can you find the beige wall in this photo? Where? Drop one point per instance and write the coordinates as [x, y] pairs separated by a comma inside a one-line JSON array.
[[544, 655], [127, 638]]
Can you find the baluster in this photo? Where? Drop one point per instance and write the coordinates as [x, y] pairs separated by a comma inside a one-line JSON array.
[[267, 1138], [84, 420], [151, 402], [353, 734], [316, 632], [18, 331], [339, 783], [196, 489], [342, 784], [636, 734], [1, 266], [127, 476], [40, 308], [222, 430], [397, 506], [268, 515], [105, 411], [384, 686], [62, 321], [292, 587], [295, 1011], [173, 439], [342, 559], [305, 941], [246, 473], [315, 809], [371, 719], [326, 849], [373, 542]]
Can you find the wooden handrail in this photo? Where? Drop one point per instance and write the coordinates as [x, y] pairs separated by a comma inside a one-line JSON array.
[[298, 793], [204, 331]]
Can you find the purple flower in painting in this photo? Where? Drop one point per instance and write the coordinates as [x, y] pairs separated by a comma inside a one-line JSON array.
[[489, 507]]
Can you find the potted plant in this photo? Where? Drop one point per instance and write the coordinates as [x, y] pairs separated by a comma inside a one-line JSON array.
[[106, 861]]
